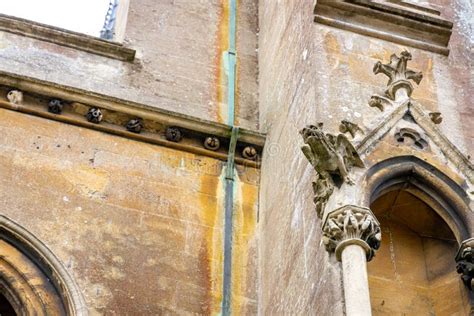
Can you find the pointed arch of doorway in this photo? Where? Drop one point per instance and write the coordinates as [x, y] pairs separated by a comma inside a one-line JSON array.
[[32, 278], [446, 197]]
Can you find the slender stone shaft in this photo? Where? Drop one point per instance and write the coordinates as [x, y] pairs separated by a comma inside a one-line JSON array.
[[356, 284]]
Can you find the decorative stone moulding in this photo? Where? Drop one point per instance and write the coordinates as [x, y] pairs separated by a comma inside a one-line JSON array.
[[348, 225], [465, 262], [399, 21], [126, 119], [332, 157], [59, 36], [416, 138]]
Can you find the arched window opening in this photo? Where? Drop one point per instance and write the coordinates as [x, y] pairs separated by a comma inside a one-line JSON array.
[[32, 279], [414, 272], [6, 309], [29, 290]]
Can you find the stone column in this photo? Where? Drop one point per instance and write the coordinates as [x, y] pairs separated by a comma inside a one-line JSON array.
[[353, 233], [465, 262]]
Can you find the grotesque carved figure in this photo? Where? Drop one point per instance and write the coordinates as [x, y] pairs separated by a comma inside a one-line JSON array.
[[349, 127], [174, 134], [134, 125], [94, 115], [465, 262], [15, 96], [55, 106], [330, 156]]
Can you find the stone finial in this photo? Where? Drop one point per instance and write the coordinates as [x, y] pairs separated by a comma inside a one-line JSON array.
[[399, 76], [331, 156], [94, 115], [351, 224], [15, 96], [465, 262], [349, 127]]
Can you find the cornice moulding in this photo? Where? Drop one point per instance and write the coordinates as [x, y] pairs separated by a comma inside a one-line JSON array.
[[387, 21], [195, 129], [66, 38]]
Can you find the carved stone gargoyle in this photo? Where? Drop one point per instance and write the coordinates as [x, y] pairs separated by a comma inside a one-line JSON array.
[[465, 262], [398, 79], [332, 157]]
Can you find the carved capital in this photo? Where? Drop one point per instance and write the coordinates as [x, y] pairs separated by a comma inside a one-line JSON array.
[[348, 225], [465, 262], [399, 75]]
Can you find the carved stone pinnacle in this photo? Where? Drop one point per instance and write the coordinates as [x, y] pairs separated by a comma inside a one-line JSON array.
[[348, 225], [465, 262], [398, 75]]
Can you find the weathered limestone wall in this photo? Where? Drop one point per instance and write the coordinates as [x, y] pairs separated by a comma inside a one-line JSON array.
[[179, 64], [312, 73], [138, 226]]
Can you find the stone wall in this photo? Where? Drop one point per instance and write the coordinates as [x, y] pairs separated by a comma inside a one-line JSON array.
[[179, 64], [138, 226], [312, 73]]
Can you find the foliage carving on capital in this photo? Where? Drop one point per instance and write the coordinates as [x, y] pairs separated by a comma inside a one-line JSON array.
[[465, 262], [351, 224], [332, 157]]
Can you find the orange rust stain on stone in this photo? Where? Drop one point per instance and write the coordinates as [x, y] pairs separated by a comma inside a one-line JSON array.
[[211, 254], [332, 43], [221, 46], [244, 229]]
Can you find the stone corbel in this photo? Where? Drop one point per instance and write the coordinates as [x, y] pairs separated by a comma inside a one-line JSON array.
[[348, 225], [465, 262]]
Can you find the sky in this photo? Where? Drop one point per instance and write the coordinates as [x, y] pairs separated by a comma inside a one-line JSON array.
[[84, 16]]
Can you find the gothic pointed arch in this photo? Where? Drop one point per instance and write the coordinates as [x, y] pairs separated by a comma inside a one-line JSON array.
[[32, 279]]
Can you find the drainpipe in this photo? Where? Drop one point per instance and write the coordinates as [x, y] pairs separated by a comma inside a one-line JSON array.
[[230, 176]]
